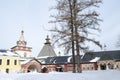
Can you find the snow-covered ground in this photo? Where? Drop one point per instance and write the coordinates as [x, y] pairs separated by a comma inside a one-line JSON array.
[[85, 75]]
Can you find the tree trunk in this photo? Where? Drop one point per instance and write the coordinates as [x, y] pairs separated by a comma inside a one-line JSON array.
[[76, 36], [72, 36]]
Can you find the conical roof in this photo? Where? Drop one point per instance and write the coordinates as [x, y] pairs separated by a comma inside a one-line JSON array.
[[47, 49], [22, 36]]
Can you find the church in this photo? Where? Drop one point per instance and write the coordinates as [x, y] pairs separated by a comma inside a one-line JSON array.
[[47, 60]]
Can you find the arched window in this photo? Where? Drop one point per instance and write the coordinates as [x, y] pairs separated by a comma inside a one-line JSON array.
[[110, 66], [83, 68], [92, 68], [88, 68]]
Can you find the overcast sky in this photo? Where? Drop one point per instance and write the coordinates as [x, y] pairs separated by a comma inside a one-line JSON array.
[[33, 16]]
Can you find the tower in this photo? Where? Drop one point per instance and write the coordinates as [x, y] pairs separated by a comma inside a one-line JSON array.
[[47, 50], [21, 47]]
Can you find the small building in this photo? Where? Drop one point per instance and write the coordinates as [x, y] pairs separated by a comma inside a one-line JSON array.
[[9, 62], [31, 65]]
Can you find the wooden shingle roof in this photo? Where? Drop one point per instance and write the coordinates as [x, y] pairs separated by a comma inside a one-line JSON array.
[[47, 49]]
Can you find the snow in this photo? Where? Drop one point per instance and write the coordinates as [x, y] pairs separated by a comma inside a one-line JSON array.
[[26, 61], [85, 75], [95, 59], [69, 59], [8, 53]]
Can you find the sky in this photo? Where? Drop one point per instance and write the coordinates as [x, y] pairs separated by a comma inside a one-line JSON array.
[[33, 16]]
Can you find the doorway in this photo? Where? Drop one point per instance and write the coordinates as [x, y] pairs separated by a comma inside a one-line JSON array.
[[7, 70], [32, 68], [103, 66]]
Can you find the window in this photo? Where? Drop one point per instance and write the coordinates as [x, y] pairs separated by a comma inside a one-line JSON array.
[[92, 68], [87, 68], [0, 61], [83, 68], [25, 54], [8, 62], [15, 62]]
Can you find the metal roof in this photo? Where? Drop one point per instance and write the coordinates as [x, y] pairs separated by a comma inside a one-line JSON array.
[[104, 55], [57, 60], [88, 57]]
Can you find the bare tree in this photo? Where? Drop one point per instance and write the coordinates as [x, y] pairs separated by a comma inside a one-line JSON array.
[[75, 21]]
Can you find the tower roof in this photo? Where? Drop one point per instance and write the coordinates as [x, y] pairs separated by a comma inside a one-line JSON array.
[[47, 49], [22, 36]]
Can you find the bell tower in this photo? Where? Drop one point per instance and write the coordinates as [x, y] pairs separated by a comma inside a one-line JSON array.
[[21, 47], [21, 41]]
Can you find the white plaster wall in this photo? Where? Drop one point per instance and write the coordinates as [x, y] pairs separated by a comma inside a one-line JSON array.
[[21, 53]]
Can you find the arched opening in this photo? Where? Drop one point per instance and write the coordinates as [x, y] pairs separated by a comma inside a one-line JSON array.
[[103, 66], [59, 69], [110, 66], [44, 70], [32, 68]]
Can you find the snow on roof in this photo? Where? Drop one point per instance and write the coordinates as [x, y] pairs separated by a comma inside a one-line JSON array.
[[68, 60], [95, 59], [42, 57], [8, 53], [25, 62], [43, 62]]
